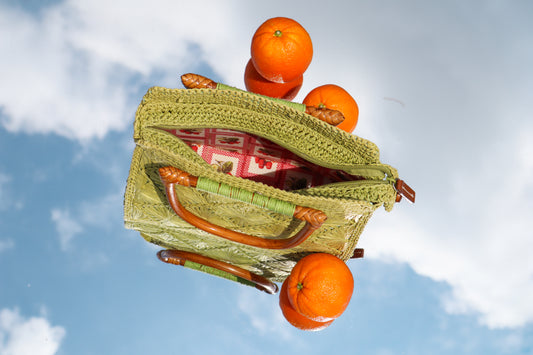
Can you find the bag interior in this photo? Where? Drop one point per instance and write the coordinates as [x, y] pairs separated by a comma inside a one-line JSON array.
[[258, 159]]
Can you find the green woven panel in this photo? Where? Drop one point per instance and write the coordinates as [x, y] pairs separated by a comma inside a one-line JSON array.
[[297, 106], [147, 211], [306, 136]]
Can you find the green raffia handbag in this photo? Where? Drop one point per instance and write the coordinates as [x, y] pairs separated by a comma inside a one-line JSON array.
[[243, 186]]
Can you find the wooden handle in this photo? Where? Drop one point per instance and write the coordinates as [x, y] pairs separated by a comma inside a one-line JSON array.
[[179, 257], [170, 176], [196, 81], [333, 117]]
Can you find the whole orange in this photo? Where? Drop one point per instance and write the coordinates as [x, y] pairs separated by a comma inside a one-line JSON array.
[[254, 82], [320, 286], [335, 97], [295, 318], [281, 50]]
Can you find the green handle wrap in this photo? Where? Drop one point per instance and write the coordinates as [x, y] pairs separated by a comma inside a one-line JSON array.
[[273, 204], [217, 272], [294, 105]]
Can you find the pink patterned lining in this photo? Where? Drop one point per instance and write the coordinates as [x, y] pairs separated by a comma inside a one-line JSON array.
[[258, 159]]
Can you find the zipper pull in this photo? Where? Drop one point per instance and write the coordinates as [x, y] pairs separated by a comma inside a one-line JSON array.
[[403, 190]]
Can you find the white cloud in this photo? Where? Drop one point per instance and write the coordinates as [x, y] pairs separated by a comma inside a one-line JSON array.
[[463, 142], [266, 319], [103, 213], [66, 227], [4, 199], [477, 237], [21, 336], [70, 70], [6, 244], [48, 86], [7, 195], [264, 314], [100, 212]]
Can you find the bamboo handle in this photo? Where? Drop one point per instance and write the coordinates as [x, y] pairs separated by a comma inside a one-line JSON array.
[[170, 176], [196, 81], [179, 257]]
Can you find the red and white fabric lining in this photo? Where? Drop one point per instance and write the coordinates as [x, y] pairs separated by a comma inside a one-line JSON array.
[[258, 159]]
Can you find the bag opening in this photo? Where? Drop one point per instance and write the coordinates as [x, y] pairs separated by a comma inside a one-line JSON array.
[[258, 159]]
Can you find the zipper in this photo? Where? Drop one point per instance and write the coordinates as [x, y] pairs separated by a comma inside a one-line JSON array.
[[370, 174], [373, 172], [402, 189]]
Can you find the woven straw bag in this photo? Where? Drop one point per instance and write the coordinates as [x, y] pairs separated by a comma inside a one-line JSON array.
[[251, 183]]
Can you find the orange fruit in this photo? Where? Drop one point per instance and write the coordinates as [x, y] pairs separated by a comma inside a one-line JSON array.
[[336, 98], [254, 82], [281, 50], [295, 318], [320, 287]]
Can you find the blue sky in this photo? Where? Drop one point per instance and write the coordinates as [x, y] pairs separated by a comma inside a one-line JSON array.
[[444, 89]]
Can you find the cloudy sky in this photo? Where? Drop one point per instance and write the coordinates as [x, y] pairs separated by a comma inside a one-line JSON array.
[[444, 89]]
